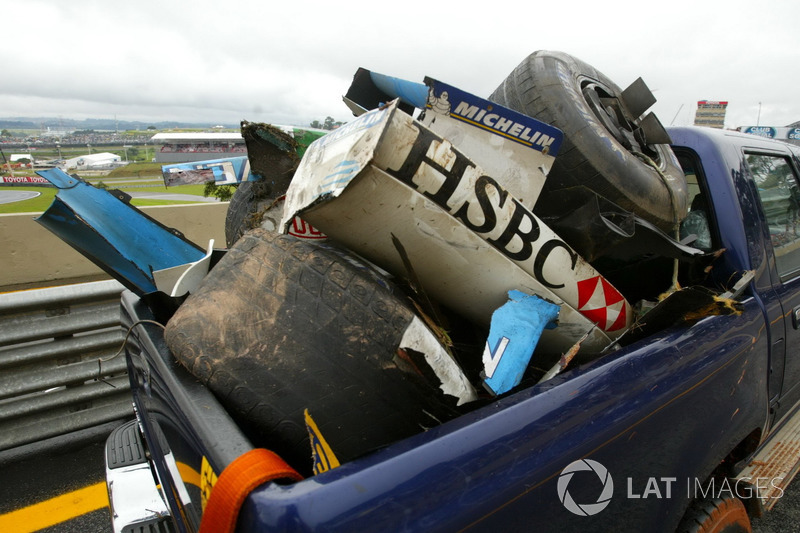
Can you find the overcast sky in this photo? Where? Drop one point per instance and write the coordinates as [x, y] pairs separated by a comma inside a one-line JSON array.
[[290, 62]]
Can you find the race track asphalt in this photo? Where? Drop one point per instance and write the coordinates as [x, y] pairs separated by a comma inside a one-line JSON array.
[[7, 197]]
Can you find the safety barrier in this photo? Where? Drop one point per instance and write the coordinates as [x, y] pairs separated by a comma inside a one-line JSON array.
[[58, 372]]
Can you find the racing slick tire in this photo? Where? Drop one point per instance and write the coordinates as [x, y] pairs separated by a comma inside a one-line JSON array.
[[599, 149], [251, 199], [282, 325], [272, 154]]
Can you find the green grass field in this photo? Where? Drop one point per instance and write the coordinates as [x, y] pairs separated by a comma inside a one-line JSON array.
[[141, 170]]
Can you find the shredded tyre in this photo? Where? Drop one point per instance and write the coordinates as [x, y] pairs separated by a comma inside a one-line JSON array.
[[281, 325]]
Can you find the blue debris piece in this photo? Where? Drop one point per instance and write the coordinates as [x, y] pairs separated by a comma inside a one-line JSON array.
[[513, 334], [410, 92], [114, 235]]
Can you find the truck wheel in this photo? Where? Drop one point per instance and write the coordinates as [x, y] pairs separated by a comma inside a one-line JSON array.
[[281, 325], [717, 515], [599, 140]]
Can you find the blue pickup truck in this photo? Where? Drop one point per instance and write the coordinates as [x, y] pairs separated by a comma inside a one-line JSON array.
[[689, 418], [680, 415]]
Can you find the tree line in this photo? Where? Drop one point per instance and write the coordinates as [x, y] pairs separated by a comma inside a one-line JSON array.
[[328, 124]]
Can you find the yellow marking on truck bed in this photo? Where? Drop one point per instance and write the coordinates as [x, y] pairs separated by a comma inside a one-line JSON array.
[[56, 510]]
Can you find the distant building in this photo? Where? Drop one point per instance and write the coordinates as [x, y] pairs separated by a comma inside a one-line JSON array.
[[99, 161], [710, 113], [55, 133], [185, 147]]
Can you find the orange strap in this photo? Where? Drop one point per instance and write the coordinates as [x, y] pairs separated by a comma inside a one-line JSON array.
[[244, 474]]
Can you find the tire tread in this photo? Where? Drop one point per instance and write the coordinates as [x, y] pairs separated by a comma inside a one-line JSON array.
[[321, 333]]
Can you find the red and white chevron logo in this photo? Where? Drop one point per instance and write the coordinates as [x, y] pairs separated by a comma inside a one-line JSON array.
[[601, 303]]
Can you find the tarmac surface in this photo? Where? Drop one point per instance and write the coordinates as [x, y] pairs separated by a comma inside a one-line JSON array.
[[7, 197], [57, 485]]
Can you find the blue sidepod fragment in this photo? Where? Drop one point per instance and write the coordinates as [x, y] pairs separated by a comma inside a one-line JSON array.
[[513, 334], [410, 92], [371, 90], [114, 235]]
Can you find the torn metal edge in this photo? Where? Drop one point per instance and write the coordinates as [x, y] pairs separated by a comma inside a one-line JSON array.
[[419, 338]]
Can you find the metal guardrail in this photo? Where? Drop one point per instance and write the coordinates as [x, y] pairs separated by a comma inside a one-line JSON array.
[[52, 380]]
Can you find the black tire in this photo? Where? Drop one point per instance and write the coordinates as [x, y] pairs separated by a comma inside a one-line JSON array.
[[249, 201], [560, 90], [281, 325], [717, 515], [273, 159]]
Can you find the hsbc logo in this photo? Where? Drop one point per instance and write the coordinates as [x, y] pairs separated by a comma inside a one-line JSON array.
[[601, 303], [448, 178]]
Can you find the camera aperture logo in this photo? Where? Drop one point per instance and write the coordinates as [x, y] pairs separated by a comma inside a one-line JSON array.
[[585, 509], [642, 488]]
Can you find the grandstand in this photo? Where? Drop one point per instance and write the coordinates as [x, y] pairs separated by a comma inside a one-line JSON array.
[[196, 146]]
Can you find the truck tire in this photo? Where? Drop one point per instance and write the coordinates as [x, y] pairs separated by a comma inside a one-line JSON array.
[[718, 515], [565, 92], [281, 325]]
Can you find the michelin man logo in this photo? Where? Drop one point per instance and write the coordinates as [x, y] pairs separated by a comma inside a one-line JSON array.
[[585, 509], [439, 104]]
